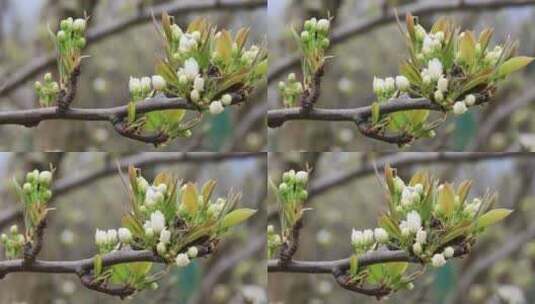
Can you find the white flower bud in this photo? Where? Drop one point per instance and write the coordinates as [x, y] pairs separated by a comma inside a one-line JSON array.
[[435, 68], [421, 236], [367, 237], [198, 84], [405, 232], [193, 252], [45, 177], [381, 236], [182, 79], [149, 232], [191, 68], [27, 188], [142, 184], [161, 248], [134, 85], [226, 99], [323, 25], [414, 221], [291, 77], [165, 236], [442, 84], [417, 248], [459, 108], [305, 35], [79, 25], [158, 82], [157, 221], [470, 100], [182, 260], [111, 237], [125, 236], [356, 238], [438, 260], [216, 108], [378, 85], [146, 84], [301, 177], [100, 237], [14, 229], [448, 252], [402, 83], [439, 96]]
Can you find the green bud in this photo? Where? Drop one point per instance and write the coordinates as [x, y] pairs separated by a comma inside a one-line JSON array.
[[325, 43], [48, 77], [66, 24], [38, 86], [3, 238], [47, 195], [303, 195], [305, 35], [32, 177], [61, 36], [81, 43], [27, 188], [283, 188], [14, 229], [154, 286]]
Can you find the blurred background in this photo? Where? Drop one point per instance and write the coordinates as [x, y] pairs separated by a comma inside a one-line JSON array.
[[505, 124], [346, 193], [89, 194], [25, 41]]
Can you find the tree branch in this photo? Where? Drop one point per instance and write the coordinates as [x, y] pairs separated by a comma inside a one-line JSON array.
[[177, 7], [278, 117], [360, 26]]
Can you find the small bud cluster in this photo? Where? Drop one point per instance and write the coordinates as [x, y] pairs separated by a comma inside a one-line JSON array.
[[313, 41], [142, 88], [293, 186], [47, 91], [290, 91], [367, 240], [389, 87], [71, 36], [36, 192], [274, 241], [13, 242]]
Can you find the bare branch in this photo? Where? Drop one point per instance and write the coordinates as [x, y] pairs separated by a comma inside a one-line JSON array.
[[177, 7], [421, 9]]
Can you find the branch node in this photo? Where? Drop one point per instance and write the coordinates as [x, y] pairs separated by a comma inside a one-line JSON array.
[[66, 95], [31, 250], [289, 248]]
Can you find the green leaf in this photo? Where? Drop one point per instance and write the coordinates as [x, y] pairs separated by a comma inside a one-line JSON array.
[[376, 114], [395, 269], [131, 112], [467, 48], [492, 217], [353, 264], [236, 217], [464, 189], [514, 64], [97, 265], [207, 190], [189, 198], [446, 199]]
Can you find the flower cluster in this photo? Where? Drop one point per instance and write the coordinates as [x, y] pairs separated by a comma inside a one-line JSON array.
[[204, 66], [171, 220], [292, 194], [34, 195], [70, 40], [13, 242], [48, 91], [313, 43], [450, 68], [426, 219], [274, 241], [368, 239]]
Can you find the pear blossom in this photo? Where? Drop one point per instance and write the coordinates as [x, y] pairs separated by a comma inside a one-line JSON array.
[[417, 248], [367, 237], [421, 236], [146, 84], [435, 69], [111, 236], [301, 177], [216, 108], [165, 236], [158, 82], [448, 252], [438, 260], [378, 85], [134, 85], [100, 237], [470, 100], [226, 99], [198, 84], [157, 221], [442, 84], [356, 238], [45, 177], [125, 235], [191, 68], [193, 252], [414, 221], [381, 236], [402, 83], [182, 260], [323, 25], [459, 108], [390, 84]]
